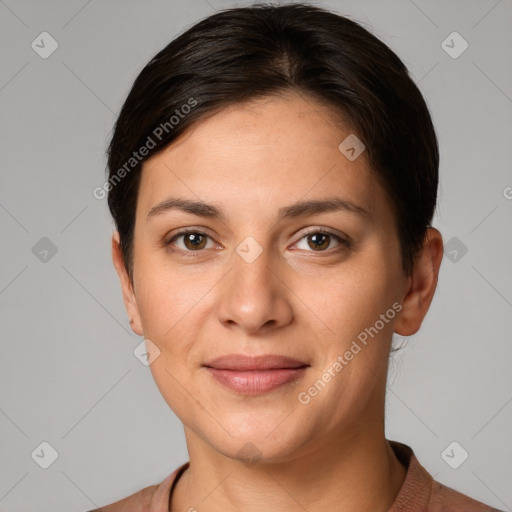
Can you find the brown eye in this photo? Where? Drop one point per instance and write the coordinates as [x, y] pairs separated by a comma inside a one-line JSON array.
[[318, 241], [193, 241]]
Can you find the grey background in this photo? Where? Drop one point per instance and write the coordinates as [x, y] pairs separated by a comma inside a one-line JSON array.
[[68, 373]]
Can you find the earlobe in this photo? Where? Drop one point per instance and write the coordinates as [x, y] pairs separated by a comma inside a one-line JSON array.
[[422, 285], [129, 299]]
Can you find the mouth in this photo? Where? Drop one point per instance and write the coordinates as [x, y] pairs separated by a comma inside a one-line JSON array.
[[252, 375]]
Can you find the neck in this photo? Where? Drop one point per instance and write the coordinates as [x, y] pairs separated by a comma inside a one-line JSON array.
[[359, 472]]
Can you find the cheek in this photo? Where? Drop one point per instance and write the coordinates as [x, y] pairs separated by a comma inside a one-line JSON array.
[[174, 307], [169, 306], [355, 297], [169, 297]]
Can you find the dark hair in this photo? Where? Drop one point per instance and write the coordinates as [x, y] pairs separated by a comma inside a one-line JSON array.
[[241, 54]]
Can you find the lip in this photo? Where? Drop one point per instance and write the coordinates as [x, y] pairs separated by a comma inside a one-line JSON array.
[[253, 375], [263, 362]]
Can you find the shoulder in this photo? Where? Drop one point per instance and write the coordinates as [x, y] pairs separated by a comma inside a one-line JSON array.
[[445, 498], [421, 493], [137, 502], [154, 498]]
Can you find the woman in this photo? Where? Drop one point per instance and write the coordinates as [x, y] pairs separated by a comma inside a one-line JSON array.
[[273, 177]]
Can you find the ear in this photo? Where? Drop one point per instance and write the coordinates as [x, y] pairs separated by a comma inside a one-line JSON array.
[[421, 284], [130, 302]]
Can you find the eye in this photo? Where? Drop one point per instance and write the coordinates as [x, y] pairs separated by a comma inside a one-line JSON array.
[[319, 240], [193, 241]]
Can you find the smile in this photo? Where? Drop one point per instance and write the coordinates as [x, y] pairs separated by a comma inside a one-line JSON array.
[[255, 375]]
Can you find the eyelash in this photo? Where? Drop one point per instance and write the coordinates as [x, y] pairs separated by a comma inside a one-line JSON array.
[[321, 231]]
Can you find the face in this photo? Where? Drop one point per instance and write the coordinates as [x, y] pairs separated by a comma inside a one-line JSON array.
[[257, 274]]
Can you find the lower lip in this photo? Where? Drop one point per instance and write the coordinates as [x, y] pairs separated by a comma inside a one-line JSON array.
[[255, 382]]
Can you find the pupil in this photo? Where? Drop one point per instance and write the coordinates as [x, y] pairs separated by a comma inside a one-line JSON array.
[[194, 239], [315, 239]]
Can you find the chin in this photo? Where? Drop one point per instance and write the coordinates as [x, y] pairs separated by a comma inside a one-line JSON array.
[[256, 441]]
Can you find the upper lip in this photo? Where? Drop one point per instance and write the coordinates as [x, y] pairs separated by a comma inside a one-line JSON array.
[[244, 362]]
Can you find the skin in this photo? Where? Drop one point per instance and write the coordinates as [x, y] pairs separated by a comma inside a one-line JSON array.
[[294, 300]]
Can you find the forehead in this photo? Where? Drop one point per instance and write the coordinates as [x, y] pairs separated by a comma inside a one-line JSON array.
[[260, 156]]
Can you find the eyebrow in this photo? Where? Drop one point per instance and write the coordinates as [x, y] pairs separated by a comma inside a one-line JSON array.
[[298, 209]]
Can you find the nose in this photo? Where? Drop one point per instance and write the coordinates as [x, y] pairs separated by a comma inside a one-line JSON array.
[[254, 297]]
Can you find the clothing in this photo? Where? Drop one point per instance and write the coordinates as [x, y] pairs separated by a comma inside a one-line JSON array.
[[419, 492]]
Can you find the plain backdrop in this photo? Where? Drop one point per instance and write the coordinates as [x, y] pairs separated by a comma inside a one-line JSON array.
[[69, 377]]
